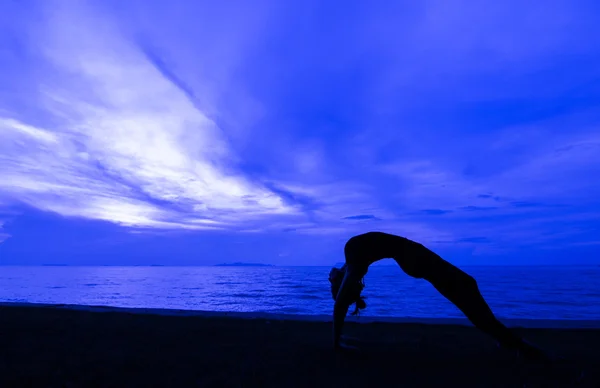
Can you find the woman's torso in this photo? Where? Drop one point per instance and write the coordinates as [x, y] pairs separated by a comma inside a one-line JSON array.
[[367, 248], [415, 259]]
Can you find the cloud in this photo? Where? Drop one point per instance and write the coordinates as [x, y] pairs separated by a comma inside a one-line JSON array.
[[557, 174], [526, 204], [125, 137], [361, 217], [489, 196], [544, 197], [476, 240], [435, 212], [132, 149], [424, 184], [3, 236], [478, 208]]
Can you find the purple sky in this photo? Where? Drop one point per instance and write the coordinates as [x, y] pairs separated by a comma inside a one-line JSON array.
[[184, 132]]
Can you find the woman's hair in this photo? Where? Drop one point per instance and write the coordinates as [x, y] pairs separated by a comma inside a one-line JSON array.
[[336, 276]]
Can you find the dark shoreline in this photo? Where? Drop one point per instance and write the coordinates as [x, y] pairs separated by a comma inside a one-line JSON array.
[[54, 347], [510, 322]]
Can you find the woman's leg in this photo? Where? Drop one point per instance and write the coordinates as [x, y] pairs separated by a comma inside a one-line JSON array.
[[462, 290], [464, 293]]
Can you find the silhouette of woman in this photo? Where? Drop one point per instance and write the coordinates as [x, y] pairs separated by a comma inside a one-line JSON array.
[[418, 262]]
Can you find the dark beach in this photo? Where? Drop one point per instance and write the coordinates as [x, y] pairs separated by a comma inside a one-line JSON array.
[[54, 347]]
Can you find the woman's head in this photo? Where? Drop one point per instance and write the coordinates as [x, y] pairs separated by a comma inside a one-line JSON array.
[[336, 277]]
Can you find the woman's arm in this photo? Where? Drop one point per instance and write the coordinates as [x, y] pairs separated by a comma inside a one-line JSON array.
[[345, 297]]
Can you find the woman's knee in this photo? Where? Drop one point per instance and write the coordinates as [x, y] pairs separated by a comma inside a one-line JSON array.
[[469, 281]]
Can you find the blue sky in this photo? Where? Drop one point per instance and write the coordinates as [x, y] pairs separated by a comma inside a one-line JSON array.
[[181, 132]]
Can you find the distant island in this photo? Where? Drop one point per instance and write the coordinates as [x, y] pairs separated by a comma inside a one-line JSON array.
[[243, 265]]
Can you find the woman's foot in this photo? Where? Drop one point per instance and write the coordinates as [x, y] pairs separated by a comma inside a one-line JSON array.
[[531, 352], [525, 350], [559, 367]]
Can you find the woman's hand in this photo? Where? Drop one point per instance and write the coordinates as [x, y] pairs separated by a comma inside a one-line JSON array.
[[342, 346], [345, 348], [348, 339]]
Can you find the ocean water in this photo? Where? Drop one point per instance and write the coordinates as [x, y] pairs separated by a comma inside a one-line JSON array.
[[559, 292]]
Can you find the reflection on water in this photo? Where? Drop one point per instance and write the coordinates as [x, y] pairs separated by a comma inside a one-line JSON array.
[[512, 292]]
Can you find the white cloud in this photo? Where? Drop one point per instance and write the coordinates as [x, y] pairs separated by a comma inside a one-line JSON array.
[[125, 145]]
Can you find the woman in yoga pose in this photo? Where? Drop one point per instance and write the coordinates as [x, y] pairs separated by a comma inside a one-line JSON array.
[[418, 262]]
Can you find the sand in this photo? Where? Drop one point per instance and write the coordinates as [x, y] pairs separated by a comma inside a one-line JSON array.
[[58, 347]]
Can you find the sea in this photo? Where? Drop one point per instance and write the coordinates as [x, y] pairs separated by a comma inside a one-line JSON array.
[[515, 292]]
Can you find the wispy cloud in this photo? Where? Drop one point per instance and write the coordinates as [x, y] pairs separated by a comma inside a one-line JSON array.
[[132, 150], [3, 236], [127, 141], [362, 217], [544, 197], [560, 173]]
